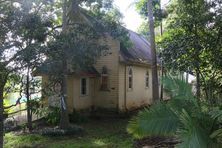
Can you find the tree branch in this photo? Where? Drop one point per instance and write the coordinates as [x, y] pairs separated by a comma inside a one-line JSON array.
[[18, 100]]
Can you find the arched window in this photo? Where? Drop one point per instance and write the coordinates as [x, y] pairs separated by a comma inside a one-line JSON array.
[[130, 78], [147, 79], [104, 78]]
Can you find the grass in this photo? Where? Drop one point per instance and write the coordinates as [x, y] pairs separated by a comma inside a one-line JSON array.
[[99, 133], [11, 140]]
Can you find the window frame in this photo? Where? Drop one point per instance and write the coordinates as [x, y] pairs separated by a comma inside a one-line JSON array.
[[130, 78], [104, 74], [147, 79], [87, 87]]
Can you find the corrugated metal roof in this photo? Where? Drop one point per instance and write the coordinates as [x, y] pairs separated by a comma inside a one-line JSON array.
[[140, 52]]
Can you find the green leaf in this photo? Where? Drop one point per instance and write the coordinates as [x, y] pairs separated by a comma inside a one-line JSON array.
[[216, 114], [216, 134], [159, 120], [177, 88], [191, 133]]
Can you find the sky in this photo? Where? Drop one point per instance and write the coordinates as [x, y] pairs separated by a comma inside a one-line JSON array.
[[131, 19]]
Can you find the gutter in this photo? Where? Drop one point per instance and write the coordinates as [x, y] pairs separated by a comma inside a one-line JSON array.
[[125, 89]]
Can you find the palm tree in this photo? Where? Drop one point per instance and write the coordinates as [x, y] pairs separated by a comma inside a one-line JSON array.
[[194, 124]]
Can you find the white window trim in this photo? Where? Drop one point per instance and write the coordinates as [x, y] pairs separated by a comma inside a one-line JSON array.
[[87, 86]]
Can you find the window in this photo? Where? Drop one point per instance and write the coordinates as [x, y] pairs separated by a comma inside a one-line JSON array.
[[130, 76], [147, 79], [104, 79], [83, 86]]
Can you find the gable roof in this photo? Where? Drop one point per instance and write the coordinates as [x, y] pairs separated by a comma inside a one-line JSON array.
[[139, 52]]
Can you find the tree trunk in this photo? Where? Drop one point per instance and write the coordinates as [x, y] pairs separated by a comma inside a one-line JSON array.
[[1, 117], [3, 81], [198, 84], [161, 33], [29, 115], [155, 85], [161, 89], [64, 119], [75, 7]]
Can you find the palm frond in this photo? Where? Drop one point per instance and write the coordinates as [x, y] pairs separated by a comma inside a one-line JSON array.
[[216, 114], [159, 120], [182, 116], [191, 133], [177, 88], [216, 134], [134, 129], [179, 104], [216, 138]]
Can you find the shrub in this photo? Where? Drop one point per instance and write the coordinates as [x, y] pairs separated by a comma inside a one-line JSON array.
[[51, 114], [77, 117]]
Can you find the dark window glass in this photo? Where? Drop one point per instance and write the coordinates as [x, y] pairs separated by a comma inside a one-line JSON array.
[[130, 75], [83, 86], [147, 79], [130, 82]]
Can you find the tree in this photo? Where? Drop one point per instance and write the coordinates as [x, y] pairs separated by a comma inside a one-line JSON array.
[[155, 86], [31, 57], [33, 32], [191, 37], [7, 13], [16, 36], [159, 15]]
